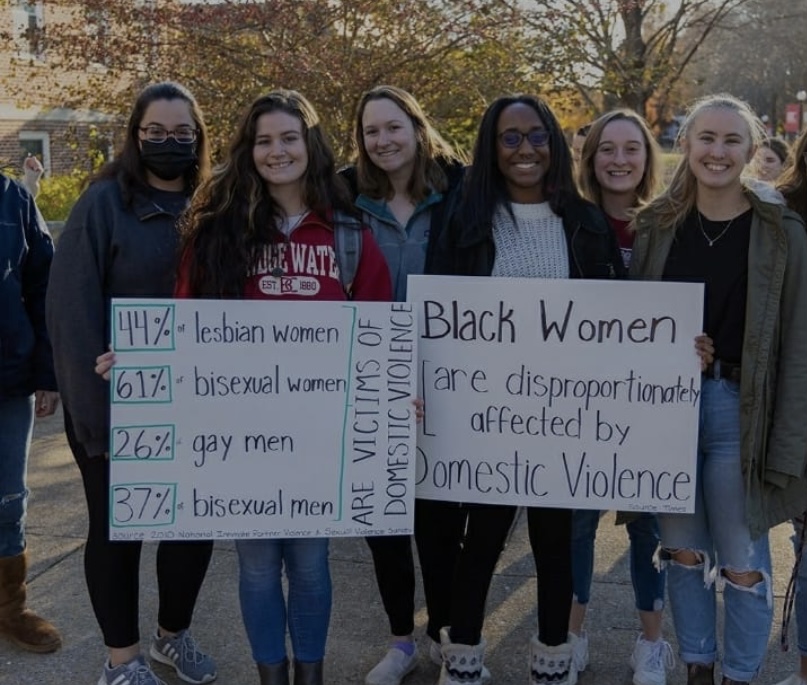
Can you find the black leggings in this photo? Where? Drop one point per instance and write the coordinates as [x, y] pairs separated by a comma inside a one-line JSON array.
[[550, 532], [439, 528], [551, 542], [112, 569]]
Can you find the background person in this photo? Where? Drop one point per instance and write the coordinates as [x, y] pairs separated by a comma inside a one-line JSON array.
[[578, 139], [771, 159], [32, 171], [120, 240]]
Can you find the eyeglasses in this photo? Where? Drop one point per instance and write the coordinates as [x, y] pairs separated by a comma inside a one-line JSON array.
[[158, 134], [538, 137]]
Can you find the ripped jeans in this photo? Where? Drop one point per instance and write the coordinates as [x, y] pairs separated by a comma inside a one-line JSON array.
[[16, 426], [719, 533], [648, 581]]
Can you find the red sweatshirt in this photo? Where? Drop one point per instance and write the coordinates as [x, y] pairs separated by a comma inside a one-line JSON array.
[[304, 267]]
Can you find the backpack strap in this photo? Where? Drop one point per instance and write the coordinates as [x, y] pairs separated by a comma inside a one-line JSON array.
[[347, 239]]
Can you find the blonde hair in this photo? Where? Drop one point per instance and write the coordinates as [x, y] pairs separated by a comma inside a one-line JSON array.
[[676, 202], [651, 177]]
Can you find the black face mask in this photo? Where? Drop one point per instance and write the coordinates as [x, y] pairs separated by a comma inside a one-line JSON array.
[[168, 160]]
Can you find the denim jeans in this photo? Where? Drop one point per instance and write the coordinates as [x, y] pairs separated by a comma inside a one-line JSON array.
[[801, 589], [718, 531], [16, 427], [647, 580], [264, 608]]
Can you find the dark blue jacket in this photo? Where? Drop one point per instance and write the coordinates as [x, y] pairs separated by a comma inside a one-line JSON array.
[[26, 251]]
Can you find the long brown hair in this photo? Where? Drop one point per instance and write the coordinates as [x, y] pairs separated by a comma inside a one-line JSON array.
[[232, 216]]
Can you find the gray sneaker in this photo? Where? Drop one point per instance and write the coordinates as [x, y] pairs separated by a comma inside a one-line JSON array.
[[191, 664], [135, 672]]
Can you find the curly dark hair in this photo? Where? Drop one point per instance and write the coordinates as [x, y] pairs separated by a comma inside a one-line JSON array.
[[232, 216]]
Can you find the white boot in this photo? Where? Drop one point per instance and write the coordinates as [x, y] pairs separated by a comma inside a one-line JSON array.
[[462, 664], [553, 665]]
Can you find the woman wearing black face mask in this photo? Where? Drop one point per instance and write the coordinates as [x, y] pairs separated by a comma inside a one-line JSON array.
[[120, 241]]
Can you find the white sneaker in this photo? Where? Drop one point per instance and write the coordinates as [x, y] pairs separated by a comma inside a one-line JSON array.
[[393, 668], [650, 661], [794, 679], [579, 650]]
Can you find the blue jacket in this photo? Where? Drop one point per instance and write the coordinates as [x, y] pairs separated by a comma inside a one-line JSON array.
[[401, 249], [26, 251]]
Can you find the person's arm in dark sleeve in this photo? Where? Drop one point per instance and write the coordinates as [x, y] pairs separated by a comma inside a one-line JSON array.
[[34, 285], [77, 318]]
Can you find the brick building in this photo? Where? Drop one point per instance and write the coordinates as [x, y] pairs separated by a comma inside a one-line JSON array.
[[32, 119]]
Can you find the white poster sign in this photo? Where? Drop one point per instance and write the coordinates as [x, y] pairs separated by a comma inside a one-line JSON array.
[[560, 393], [243, 419]]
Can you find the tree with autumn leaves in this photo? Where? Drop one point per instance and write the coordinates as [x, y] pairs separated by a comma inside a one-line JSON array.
[[624, 53], [455, 55]]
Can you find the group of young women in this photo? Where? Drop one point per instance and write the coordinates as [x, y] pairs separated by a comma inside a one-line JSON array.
[[157, 222]]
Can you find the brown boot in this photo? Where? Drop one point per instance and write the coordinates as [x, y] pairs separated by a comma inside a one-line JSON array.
[[20, 625], [700, 674]]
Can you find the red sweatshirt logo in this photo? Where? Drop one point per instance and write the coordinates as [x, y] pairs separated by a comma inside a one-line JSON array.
[[295, 268]]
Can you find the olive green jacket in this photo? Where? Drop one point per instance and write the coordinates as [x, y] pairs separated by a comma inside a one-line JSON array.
[[773, 386]]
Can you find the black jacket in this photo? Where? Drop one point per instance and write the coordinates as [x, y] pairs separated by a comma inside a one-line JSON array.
[[108, 249], [26, 251], [469, 250]]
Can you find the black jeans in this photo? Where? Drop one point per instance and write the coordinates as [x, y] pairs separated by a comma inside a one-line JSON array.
[[112, 569], [439, 529], [551, 541]]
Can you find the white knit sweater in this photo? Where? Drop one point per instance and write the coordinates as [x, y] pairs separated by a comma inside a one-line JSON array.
[[534, 246]]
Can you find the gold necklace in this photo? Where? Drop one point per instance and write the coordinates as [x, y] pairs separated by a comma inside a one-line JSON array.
[[712, 241]]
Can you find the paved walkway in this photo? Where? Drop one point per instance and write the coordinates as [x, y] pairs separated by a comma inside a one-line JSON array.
[[56, 530]]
